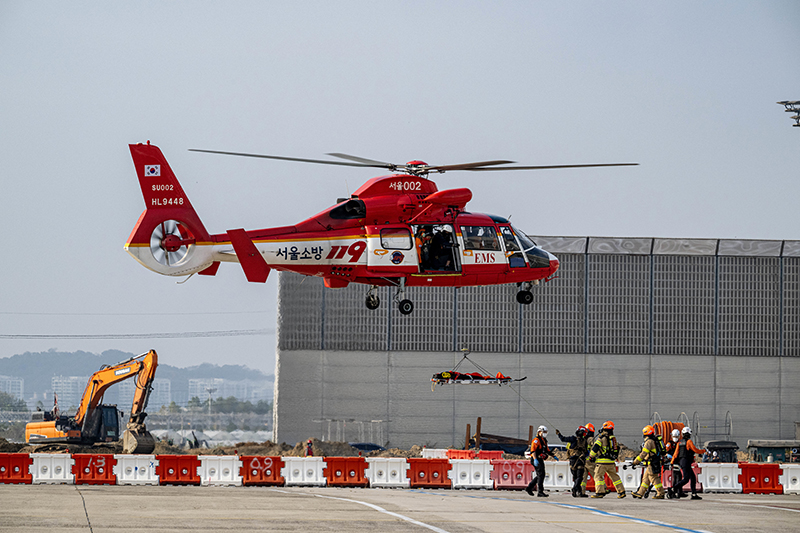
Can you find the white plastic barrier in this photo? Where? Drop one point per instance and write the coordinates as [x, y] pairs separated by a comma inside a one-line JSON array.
[[471, 474], [55, 468], [720, 477], [790, 479], [304, 471], [219, 470], [631, 477], [136, 469], [557, 475], [434, 453], [387, 472]]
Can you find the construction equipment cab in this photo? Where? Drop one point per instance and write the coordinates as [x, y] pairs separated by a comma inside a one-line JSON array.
[[94, 422]]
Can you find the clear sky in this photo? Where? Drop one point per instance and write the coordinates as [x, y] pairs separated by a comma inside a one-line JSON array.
[[685, 88]]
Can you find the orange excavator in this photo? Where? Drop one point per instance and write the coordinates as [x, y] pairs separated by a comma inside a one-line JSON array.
[[95, 422]]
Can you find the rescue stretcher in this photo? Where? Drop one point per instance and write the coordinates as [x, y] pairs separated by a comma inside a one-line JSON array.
[[454, 377], [451, 377]]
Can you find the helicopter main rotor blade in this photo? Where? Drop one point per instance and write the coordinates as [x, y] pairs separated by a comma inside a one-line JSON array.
[[469, 166], [282, 158], [543, 167], [365, 161]]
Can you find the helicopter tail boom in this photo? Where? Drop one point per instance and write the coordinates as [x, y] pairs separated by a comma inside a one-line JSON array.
[[169, 237]]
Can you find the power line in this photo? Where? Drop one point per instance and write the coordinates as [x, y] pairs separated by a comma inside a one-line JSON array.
[[183, 335], [135, 314]]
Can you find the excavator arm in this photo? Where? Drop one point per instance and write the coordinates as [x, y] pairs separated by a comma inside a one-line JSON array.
[[143, 367]]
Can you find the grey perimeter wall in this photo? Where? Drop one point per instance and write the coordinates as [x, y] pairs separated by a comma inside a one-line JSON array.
[[631, 327]]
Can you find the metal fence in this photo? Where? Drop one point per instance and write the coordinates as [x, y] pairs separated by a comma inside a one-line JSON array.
[[611, 296]]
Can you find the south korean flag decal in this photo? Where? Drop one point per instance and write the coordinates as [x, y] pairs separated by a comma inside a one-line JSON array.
[[152, 170]]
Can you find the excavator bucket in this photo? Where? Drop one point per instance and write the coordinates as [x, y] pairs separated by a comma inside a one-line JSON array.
[[138, 440]]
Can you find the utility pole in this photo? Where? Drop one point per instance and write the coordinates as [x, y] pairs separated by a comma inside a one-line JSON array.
[[210, 392], [793, 107]]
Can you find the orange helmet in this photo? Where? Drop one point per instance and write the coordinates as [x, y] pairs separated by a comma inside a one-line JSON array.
[[590, 427], [608, 425], [648, 430]]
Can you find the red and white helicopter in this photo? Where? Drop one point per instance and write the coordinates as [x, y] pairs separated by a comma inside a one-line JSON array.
[[398, 230]]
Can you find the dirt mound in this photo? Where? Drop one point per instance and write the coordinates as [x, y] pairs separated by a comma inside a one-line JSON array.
[[164, 448], [10, 447], [104, 448], [324, 449], [415, 451]]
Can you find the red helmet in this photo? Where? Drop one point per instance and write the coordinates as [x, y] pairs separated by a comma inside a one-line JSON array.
[[581, 431], [608, 425], [590, 427]]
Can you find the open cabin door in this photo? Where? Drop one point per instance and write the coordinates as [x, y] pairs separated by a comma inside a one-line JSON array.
[[391, 250]]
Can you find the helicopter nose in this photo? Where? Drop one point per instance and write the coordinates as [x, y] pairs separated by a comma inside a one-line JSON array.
[[554, 263]]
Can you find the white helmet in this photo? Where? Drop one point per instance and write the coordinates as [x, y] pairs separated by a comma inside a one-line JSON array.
[[686, 430], [542, 429], [676, 433]]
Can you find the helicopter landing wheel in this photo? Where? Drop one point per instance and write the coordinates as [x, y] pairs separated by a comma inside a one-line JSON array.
[[405, 307], [525, 297], [372, 302]]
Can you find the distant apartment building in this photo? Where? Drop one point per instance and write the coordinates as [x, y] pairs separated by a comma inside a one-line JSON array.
[[244, 390], [12, 386], [160, 396], [69, 390], [205, 387]]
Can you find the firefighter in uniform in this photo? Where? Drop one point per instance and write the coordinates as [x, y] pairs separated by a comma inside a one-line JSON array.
[[605, 452], [577, 450], [590, 466], [539, 452], [684, 456], [652, 456]]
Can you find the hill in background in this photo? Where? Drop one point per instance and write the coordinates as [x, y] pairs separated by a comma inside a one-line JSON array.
[[37, 369]]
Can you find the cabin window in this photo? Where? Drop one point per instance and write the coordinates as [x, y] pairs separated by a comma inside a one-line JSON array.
[[480, 238], [396, 239]]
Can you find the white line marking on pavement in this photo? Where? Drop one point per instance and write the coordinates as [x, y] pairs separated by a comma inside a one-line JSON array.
[[746, 504], [382, 510]]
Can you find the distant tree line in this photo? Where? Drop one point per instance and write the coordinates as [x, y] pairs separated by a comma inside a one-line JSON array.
[[229, 405], [10, 403]]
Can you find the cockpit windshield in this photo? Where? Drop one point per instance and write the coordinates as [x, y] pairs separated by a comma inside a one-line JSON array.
[[537, 258]]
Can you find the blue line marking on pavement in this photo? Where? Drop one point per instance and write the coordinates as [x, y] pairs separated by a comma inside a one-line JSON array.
[[573, 506]]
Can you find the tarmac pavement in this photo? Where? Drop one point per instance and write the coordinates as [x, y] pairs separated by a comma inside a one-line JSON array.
[[106, 508]]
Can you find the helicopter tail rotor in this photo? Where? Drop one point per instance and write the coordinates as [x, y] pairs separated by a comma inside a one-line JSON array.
[[169, 237]]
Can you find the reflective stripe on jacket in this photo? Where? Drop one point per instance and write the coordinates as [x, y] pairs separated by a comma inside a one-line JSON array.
[[605, 449]]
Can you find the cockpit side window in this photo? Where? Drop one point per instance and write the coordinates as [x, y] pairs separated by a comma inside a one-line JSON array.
[[513, 251], [480, 238]]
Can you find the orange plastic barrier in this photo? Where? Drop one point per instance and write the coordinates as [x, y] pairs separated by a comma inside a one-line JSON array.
[[346, 472], [760, 478], [91, 469], [14, 468], [460, 454], [428, 473], [262, 471], [511, 475], [490, 454], [609, 484], [178, 469]]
